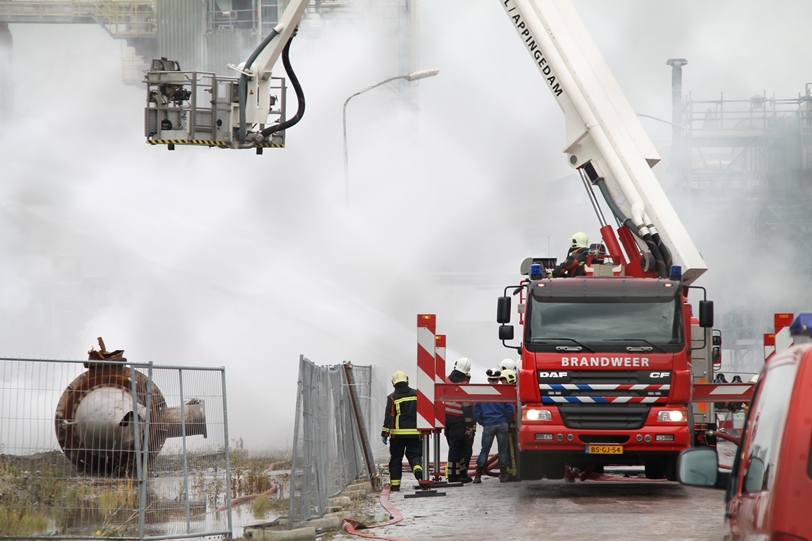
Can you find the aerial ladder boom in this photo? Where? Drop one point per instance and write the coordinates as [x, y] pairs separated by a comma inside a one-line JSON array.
[[246, 111], [605, 141]]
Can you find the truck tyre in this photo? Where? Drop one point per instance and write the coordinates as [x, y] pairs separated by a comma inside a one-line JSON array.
[[672, 469], [530, 467], [553, 468], [655, 470]]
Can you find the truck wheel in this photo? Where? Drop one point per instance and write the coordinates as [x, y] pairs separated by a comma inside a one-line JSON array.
[[530, 468], [553, 468], [672, 467], [655, 470]]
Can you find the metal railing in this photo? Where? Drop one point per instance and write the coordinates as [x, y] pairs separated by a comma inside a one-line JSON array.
[[94, 449], [120, 18]]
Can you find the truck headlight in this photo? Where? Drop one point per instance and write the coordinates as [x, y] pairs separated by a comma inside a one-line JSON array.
[[537, 415], [673, 416]]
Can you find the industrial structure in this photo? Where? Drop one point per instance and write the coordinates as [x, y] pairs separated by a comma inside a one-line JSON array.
[[746, 164], [203, 35]]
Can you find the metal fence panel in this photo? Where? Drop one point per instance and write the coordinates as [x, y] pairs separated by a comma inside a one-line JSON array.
[[328, 453], [112, 449]]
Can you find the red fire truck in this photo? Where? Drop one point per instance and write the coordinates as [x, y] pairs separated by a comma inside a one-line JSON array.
[[608, 359]]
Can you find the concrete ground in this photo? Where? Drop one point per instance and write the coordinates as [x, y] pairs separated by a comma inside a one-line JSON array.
[[629, 509]]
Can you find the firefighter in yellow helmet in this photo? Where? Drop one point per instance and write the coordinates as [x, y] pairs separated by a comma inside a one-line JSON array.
[[400, 428], [575, 263], [508, 375]]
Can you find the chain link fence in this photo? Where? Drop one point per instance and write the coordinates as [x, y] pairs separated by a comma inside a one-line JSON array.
[[339, 410], [93, 449]]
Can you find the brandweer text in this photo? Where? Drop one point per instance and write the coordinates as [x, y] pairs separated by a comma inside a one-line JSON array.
[[604, 361], [533, 47]]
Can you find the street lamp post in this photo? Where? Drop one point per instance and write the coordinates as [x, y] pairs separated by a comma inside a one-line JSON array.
[[422, 74]]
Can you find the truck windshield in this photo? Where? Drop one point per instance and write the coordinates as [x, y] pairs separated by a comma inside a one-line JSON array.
[[635, 322]]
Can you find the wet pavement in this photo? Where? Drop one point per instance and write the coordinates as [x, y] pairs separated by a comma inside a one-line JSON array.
[[629, 509], [559, 510]]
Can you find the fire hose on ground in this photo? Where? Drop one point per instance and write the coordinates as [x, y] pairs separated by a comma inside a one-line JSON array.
[[353, 526]]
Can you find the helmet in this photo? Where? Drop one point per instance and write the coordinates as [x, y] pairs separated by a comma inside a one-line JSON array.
[[509, 376], [399, 377], [579, 240], [507, 364], [463, 365]]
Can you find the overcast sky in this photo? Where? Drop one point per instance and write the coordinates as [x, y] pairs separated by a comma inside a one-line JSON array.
[[207, 257]]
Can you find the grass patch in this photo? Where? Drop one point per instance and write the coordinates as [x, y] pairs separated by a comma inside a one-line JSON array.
[[22, 522]]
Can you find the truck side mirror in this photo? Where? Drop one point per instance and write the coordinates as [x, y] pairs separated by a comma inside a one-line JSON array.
[[706, 314], [503, 312], [505, 332]]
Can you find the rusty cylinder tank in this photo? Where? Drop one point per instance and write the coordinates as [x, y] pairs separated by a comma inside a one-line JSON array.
[[101, 428]]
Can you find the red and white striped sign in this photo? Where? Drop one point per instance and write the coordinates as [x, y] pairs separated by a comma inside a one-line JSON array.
[[439, 373], [723, 392], [475, 392], [783, 338], [426, 325], [769, 345]]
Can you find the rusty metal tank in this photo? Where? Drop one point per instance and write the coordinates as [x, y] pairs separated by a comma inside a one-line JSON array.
[[101, 417]]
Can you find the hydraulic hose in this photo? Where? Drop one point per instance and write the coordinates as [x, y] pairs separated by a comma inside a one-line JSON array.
[[242, 89], [662, 271], [663, 250], [299, 94], [653, 242], [614, 208]]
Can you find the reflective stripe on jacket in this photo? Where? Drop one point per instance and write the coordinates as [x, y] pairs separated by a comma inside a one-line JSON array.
[[400, 418]]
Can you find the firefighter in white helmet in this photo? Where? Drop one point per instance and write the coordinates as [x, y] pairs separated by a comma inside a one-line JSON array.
[[507, 364], [400, 428], [575, 263], [459, 427]]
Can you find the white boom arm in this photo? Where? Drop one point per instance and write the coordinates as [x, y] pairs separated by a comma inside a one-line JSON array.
[[257, 69], [604, 136]]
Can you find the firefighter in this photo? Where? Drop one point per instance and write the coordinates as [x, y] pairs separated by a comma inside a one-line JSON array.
[[735, 406], [507, 364], [468, 452], [508, 375], [400, 426], [459, 426], [575, 264]]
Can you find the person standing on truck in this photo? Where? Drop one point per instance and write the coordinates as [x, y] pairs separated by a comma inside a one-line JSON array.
[[575, 263], [494, 418], [459, 425], [400, 426]]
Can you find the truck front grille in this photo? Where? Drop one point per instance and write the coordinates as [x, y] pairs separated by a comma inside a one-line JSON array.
[[604, 417]]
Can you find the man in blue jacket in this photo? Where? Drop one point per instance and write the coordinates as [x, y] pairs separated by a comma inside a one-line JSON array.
[[494, 418]]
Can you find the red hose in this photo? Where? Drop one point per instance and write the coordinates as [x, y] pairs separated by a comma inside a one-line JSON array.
[[352, 526]]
